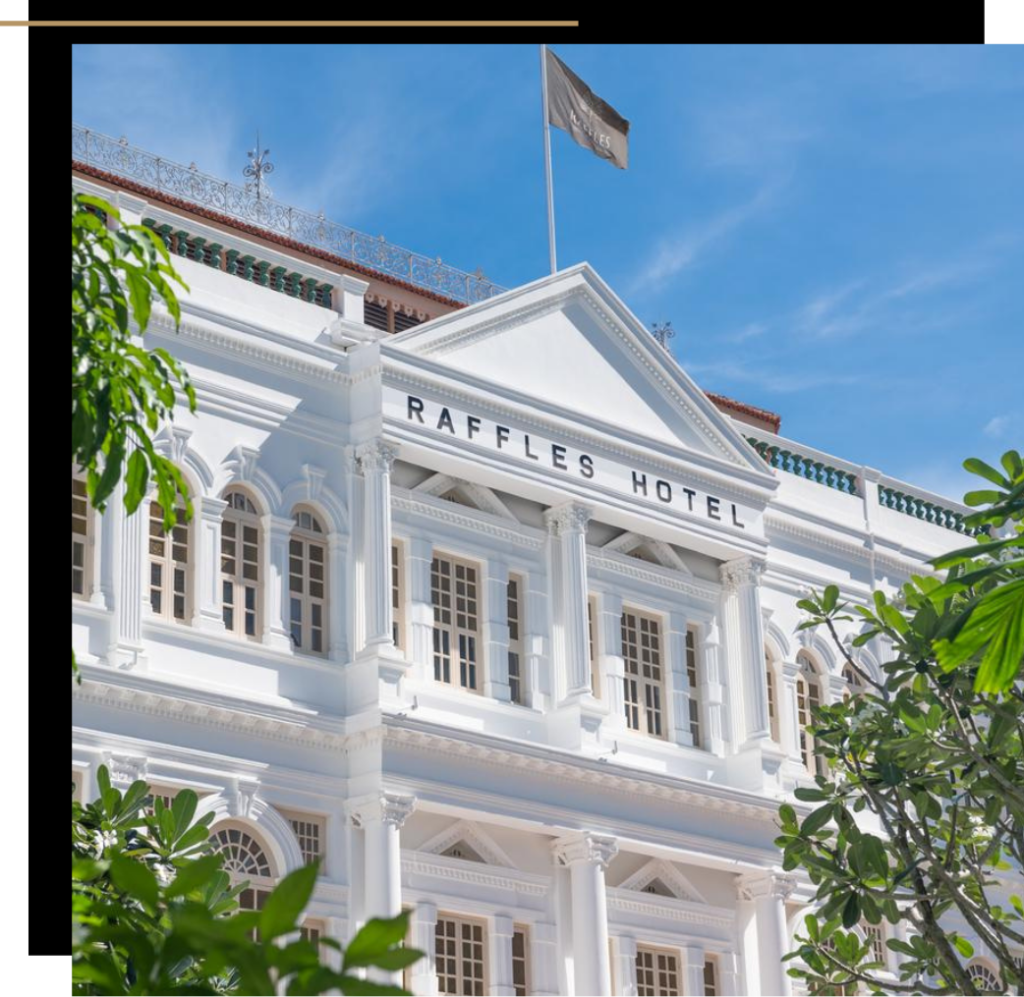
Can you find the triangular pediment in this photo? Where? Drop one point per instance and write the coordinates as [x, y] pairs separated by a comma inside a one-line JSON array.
[[469, 842], [645, 549], [570, 343], [466, 493], [662, 879]]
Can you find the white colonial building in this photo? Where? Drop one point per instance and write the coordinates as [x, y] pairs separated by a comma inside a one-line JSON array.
[[484, 602]]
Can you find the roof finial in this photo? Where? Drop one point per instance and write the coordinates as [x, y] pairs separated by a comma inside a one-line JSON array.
[[258, 169], [662, 332]]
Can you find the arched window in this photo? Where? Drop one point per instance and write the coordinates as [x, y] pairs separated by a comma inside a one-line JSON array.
[[245, 859], [81, 538], [307, 583], [169, 582], [984, 978], [808, 697], [773, 697], [854, 685], [240, 565]]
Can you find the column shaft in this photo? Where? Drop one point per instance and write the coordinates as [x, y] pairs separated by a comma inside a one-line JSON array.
[[375, 460], [277, 614], [569, 524], [208, 613], [742, 605]]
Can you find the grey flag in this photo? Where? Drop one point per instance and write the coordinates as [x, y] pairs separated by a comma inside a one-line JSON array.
[[575, 108]]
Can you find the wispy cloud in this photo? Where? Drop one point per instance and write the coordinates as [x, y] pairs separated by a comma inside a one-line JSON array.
[[771, 379], [674, 254], [996, 426]]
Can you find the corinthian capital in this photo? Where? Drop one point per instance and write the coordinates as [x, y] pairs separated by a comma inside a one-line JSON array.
[[386, 808], [376, 456], [568, 518], [764, 886], [597, 849], [742, 571]]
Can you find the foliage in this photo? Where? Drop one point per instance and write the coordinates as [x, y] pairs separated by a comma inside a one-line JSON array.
[[931, 756], [120, 392], [153, 912]]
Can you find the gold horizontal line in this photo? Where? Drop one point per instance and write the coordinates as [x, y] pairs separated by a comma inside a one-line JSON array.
[[284, 24]]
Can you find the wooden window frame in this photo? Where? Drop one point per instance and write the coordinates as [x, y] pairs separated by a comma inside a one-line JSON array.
[[82, 540], [456, 647], [644, 695], [593, 646], [808, 696], [713, 985], [522, 930], [398, 593], [772, 684], [297, 818], [234, 544], [692, 653], [516, 663], [460, 923], [659, 985], [170, 577], [304, 541]]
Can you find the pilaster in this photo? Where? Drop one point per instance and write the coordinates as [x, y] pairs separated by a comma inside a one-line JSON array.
[[208, 612], [422, 925], [500, 953], [276, 617], [495, 630], [682, 694]]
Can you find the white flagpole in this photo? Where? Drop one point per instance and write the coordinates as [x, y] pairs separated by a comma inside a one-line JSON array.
[[547, 153]]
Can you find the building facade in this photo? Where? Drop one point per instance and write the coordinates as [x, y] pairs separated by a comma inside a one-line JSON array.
[[488, 606]]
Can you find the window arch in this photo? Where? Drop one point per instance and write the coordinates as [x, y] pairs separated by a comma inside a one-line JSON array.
[[240, 565], [984, 977], [170, 582], [82, 535], [773, 696], [245, 859], [307, 583], [808, 697]]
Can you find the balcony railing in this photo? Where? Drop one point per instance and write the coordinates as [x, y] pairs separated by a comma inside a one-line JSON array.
[[813, 465], [233, 200]]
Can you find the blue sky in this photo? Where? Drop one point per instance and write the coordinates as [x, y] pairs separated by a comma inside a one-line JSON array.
[[835, 233]]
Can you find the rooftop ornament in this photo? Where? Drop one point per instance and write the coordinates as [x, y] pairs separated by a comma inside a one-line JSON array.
[[258, 169], [663, 332]]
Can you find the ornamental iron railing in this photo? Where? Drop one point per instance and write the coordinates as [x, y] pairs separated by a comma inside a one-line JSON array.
[[117, 156]]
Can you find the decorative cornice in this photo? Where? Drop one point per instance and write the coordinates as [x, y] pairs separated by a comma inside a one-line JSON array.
[[449, 869], [575, 770], [161, 323], [741, 572], [124, 769], [468, 519], [765, 885], [568, 518], [652, 574], [376, 455], [589, 848], [670, 909]]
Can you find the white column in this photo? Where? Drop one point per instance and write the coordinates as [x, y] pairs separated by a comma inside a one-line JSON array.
[[717, 730], [681, 691], [693, 970], [209, 611], [276, 614], [337, 645], [768, 893], [422, 926], [568, 523], [381, 820], [742, 615], [500, 956], [587, 856], [375, 459], [624, 969], [544, 959], [608, 630], [419, 554], [495, 609]]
